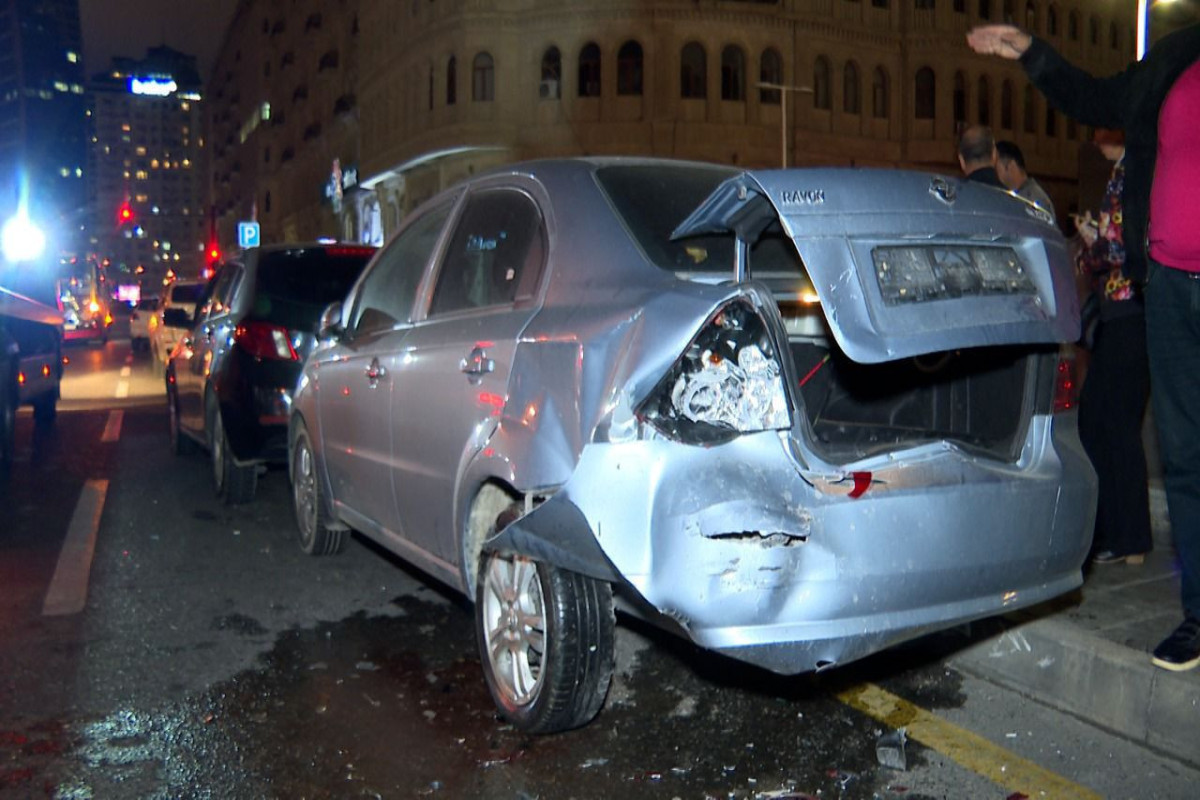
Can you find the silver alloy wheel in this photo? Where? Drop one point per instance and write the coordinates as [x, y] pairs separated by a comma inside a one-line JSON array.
[[514, 627], [304, 490]]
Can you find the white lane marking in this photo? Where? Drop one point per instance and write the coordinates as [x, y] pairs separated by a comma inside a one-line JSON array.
[[126, 371], [69, 586], [112, 428]]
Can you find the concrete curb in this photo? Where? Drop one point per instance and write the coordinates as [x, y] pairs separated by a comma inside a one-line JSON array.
[[1101, 682]]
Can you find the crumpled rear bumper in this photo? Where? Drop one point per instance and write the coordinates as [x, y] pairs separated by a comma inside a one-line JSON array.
[[756, 559]]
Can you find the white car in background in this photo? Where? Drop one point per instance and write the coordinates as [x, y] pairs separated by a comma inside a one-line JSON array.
[[142, 321], [180, 294]]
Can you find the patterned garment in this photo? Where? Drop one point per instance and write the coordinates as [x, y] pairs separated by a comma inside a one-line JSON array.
[[1103, 262]]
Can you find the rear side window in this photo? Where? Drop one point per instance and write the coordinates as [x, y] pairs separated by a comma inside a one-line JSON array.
[[294, 286], [185, 293], [495, 255]]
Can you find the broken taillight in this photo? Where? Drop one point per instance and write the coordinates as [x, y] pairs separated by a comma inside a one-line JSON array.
[[728, 382]]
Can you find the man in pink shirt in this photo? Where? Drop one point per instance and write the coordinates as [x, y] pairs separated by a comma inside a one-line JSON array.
[[1156, 102]]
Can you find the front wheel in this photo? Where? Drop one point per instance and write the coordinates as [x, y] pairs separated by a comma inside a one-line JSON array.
[[235, 484], [545, 639], [319, 534]]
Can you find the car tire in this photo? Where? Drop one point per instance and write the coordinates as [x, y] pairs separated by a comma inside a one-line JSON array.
[[181, 443], [235, 484], [45, 409], [545, 638], [319, 534]]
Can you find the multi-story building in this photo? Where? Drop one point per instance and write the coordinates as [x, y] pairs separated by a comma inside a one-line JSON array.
[[147, 169], [410, 97], [42, 124]]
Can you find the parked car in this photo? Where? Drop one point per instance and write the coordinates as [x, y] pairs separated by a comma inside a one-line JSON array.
[[31, 365], [143, 320], [182, 295], [795, 416], [230, 380]]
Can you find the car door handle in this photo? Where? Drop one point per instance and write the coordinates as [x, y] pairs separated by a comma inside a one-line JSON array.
[[477, 363], [375, 371]]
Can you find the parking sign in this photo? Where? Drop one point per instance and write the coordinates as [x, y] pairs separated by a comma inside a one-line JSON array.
[[248, 235]]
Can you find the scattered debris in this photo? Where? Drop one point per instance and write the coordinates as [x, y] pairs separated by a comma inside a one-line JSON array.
[[889, 749]]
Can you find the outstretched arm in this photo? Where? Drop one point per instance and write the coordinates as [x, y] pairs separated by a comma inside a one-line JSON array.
[[1006, 41]]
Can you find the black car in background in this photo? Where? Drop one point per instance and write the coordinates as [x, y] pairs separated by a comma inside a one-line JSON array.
[[230, 381]]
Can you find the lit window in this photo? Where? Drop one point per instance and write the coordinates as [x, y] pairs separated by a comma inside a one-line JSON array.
[[72, 57]]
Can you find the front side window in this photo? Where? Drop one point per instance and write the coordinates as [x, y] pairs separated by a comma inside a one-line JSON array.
[[388, 292], [495, 254]]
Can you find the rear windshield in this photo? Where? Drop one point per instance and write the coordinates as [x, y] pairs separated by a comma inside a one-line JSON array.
[[652, 201], [293, 286], [186, 292]]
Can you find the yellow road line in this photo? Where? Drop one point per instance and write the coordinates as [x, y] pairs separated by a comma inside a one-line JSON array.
[[968, 749]]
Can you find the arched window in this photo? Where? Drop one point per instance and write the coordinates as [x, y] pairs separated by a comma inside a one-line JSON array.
[[1006, 106], [629, 69], [851, 90], [551, 75], [925, 102], [1114, 37], [1052, 20], [770, 70], [693, 71], [1007, 12], [1094, 30], [1051, 121], [589, 70], [1030, 112], [821, 84], [960, 98], [431, 87], [483, 78], [451, 81], [985, 9], [733, 73], [1073, 25], [984, 101], [879, 94], [1030, 17]]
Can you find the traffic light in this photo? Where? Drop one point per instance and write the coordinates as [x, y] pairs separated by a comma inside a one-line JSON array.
[[124, 213], [212, 257]]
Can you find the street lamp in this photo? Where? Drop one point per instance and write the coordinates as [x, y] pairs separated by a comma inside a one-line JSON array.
[[21, 239], [783, 90]]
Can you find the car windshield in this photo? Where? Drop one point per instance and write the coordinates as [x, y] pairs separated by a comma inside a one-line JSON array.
[[293, 286]]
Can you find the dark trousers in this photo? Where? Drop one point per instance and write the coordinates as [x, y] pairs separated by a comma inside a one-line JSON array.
[[1112, 408], [1173, 337]]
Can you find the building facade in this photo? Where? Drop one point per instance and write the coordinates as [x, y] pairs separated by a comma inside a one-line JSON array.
[[439, 89], [147, 169]]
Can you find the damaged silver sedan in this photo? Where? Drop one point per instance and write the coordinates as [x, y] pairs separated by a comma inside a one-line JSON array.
[[795, 416]]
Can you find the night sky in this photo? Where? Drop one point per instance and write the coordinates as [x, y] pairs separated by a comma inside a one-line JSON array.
[[129, 27]]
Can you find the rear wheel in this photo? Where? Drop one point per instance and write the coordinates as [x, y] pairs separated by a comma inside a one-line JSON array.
[[319, 534], [545, 640], [235, 483]]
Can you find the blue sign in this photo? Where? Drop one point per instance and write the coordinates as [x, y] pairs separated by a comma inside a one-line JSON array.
[[249, 235]]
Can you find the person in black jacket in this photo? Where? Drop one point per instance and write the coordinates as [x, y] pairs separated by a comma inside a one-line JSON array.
[[1156, 102], [977, 156]]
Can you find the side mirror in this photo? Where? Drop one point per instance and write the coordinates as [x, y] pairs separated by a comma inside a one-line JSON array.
[[176, 318], [330, 324]]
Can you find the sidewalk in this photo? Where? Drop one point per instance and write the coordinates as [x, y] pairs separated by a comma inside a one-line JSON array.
[[1088, 653]]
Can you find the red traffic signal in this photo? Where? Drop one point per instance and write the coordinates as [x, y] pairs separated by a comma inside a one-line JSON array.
[[124, 213]]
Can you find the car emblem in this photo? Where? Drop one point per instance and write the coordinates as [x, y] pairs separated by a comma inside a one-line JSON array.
[[943, 190]]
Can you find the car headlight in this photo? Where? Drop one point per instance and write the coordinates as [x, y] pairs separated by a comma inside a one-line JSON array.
[[728, 382]]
